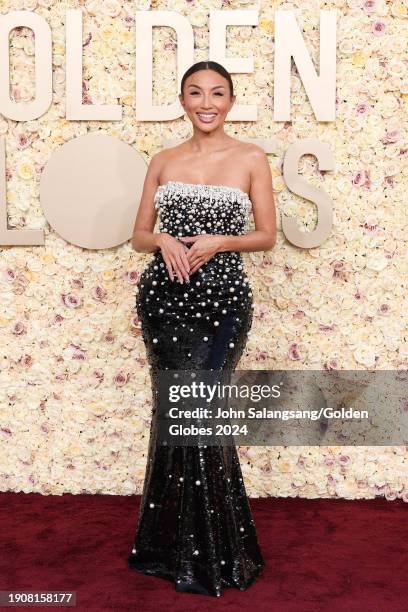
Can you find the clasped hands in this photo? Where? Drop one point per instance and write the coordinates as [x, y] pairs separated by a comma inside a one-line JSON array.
[[183, 261]]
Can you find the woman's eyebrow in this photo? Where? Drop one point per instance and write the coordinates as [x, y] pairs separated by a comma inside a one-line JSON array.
[[216, 87]]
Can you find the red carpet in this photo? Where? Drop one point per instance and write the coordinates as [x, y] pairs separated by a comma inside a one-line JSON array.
[[321, 554]]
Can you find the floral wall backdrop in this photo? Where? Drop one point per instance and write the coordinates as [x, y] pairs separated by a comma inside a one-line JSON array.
[[74, 382]]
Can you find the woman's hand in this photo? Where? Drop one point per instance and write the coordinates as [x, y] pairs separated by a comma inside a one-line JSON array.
[[175, 256], [204, 248]]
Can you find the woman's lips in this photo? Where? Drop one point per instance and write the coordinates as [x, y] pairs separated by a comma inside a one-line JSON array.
[[207, 117]]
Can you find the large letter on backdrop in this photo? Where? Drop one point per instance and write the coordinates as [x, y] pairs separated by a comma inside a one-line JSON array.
[[298, 185], [219, 20], [26, 111], [11, 237], [321, 90], [75, 110], [145, 20]]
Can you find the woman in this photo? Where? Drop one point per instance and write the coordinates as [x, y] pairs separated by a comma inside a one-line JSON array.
[[195, 306]]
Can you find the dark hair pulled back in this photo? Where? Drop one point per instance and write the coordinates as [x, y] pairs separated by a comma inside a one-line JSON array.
[[208, 65]]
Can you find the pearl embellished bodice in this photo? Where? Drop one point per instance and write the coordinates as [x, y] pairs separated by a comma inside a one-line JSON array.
[[189, 209]]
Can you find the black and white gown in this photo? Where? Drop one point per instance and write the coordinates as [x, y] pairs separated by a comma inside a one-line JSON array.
[[195, 525]]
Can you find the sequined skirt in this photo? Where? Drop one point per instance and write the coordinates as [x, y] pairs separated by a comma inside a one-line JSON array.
[[195, 525]]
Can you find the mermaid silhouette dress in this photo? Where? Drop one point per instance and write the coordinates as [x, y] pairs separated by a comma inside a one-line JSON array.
[[195, 524]]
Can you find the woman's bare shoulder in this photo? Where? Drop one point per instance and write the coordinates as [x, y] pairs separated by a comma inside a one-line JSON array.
[[250, 148], [169, 152], [163, 158], [247, 150], [249, 155]]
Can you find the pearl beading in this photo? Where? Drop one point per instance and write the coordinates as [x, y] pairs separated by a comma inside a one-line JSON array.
[[209, 190], [202, 198], [221, 284]]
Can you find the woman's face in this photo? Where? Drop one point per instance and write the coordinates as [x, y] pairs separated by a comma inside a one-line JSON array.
[[206, 99]]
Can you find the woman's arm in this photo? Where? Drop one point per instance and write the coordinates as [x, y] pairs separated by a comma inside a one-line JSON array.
[[143, 239], [261, 195]]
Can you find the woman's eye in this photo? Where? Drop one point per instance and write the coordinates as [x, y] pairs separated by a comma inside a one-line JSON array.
[[217, 93]]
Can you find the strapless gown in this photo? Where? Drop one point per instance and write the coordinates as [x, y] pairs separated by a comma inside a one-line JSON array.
[[200, 536]]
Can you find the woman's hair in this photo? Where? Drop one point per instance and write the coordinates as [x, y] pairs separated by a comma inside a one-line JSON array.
[[208, 65]]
